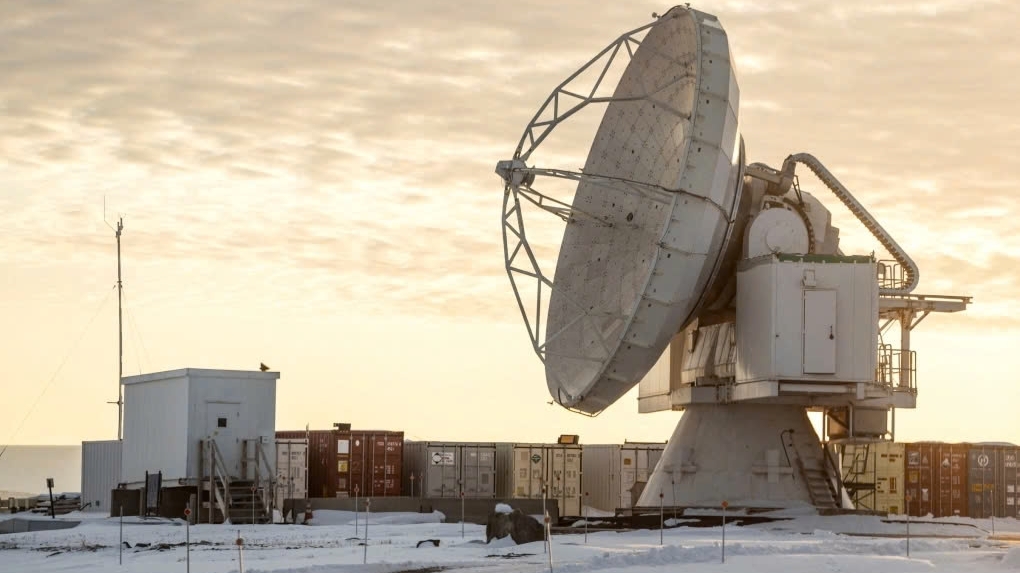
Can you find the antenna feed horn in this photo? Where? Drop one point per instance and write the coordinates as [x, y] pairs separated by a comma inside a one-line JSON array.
[[513, 172]]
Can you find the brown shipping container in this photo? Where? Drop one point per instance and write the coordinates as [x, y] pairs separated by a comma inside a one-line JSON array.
[[994, 480], [376, 458], [936, 479], [337, 461]]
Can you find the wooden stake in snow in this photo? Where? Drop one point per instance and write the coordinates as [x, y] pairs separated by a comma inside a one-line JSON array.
[[368, 509], [548, 540], [120, 546], [545, 546], [662, 522], [187, 538], [586, 517], [240, 552], [908, 498], [724, 506]]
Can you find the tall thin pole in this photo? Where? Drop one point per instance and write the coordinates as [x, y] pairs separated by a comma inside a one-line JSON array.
[[120, 339]]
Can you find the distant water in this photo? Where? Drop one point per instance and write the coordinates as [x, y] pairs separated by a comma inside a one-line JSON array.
[[24, 469]]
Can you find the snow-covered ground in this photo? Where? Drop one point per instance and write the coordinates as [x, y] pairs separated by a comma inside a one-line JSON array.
[[804, 543]]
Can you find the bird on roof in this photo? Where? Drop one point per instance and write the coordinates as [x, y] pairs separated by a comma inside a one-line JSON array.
[[263, 367]]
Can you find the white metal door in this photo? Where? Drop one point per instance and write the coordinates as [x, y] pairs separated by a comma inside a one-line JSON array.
[[820, 332], [222, 419]]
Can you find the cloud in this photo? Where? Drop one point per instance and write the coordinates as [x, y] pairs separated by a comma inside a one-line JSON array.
[[347, 150]]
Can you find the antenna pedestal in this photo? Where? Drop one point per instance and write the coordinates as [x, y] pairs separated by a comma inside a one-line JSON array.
[[744, 454]]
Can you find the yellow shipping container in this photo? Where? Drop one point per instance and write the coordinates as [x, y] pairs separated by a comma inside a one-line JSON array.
[[875, 475]]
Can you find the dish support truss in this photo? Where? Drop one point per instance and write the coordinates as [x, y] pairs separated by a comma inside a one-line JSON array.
[[565, 101]]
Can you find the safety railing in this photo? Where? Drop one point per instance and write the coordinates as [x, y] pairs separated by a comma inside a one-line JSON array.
[[896, 368], [890, 275]]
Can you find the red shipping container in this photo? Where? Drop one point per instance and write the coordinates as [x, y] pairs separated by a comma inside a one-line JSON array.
[[376, 458], [340, 460], [936, 479]]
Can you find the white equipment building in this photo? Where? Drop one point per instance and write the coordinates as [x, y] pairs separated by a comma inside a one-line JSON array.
[[206, 433], [727, 275]]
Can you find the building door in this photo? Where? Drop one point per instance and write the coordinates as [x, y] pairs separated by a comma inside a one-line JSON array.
[[222, 421]]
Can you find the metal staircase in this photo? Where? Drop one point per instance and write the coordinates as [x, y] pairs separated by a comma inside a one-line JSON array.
[[247, 503], [239, 499], [817, 471], [859, 474]]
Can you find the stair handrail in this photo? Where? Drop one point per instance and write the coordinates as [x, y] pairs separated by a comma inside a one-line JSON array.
[[832, 472], [269, 489], [218, 470]]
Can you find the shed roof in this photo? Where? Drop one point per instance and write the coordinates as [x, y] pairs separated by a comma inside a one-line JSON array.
[[199, 372]]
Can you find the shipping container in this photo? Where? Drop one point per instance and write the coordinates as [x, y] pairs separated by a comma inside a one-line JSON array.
[[600, 476], [100, 473], [375, 461], [610, 472], [291, 470], [443, 469], [637, 462], [994, 480], [875, 475], [557, 466], [340, 462], [936, 479]]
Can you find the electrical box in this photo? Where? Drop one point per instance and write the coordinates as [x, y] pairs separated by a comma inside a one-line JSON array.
[[807, 318]]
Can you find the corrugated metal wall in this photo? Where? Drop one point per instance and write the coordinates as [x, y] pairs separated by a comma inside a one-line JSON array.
[[441, 469], [994, 480], [369, 460], [600, 475], [321, 460], [100, 473], [937, 479], [291, 470], [637, 462], [890, 483], [376, 458], [556, 465]]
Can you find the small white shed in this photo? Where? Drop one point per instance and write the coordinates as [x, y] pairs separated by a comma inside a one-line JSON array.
[[168, 414], [100, 473]]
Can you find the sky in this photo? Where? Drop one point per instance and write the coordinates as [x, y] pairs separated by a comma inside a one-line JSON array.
[[310, 184]]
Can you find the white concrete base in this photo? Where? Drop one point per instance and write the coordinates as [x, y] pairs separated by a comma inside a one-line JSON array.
[[735, 453]]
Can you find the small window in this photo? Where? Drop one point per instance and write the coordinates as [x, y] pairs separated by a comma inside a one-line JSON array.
[[221, 422], [892, 485]]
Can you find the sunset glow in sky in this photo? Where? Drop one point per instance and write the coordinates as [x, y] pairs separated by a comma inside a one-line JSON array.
[[310, 184]]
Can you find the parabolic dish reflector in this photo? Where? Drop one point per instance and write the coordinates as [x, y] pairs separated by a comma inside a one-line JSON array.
[[660, 188]]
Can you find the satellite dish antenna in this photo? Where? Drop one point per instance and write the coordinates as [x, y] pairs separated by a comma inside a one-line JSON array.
[[673, 240]]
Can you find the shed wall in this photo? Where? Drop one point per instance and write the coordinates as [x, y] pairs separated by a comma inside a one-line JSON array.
[[100, 473], [155, 430], [254, 397]]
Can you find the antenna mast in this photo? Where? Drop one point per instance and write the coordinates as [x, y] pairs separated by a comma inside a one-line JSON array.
[[120, 339]]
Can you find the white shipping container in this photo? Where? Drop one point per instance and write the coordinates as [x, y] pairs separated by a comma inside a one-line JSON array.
[[637, 462], [556, 465], [100, 473], [610, 472], [291, 471]]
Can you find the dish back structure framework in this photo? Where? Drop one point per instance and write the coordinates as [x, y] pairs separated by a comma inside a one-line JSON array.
[[724, 279]]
